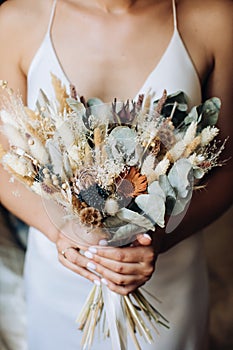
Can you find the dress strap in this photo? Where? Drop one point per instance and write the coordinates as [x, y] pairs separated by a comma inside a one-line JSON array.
[[51, 16], [174, 13]]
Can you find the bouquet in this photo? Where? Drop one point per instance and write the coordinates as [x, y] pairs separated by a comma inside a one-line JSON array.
[[116, 170]]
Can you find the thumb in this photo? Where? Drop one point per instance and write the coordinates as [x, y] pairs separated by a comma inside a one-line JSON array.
[[144, 239]]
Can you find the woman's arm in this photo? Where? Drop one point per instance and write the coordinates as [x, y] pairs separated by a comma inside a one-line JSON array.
[[16, 18]]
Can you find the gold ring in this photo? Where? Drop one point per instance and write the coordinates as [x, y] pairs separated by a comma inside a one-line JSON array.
[[63, 252]]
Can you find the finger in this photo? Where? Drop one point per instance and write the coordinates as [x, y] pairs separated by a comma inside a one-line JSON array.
[[144, 239], [71, 258], [115, 266], [121, 273], [81, 271], [127, 255]]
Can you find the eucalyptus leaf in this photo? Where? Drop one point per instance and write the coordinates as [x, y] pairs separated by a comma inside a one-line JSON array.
[[153, 206], [155, 189], [113, 221], [56, 158], [135, 218], [122, 142], [76, 106], [181, 177], [180, 113], [166, 186], [210, 111], [198, 173], [126, 234], [93, 101], [205, 114], [192, 116]]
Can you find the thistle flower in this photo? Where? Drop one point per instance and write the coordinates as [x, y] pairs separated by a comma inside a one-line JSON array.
[[132, 183]]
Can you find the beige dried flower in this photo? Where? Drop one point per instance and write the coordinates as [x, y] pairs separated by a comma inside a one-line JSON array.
[[111, 206], [98, 137], [192, 146], [208, 134], [60, 92], [86, 177]]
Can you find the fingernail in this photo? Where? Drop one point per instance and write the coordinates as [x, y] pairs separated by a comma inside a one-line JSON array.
[[97, 282], [104, 281], [88, 254], [91, 266], [103, 242], [147, 236], [92, 250]]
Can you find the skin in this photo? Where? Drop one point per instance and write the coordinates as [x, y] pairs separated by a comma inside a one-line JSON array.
[[118, 44]]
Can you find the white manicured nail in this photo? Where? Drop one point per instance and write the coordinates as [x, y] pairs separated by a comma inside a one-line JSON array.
[[104, 281], [147, 236], [97, 282], [92, 250], [88, 254], [91, 266], [103, 242]]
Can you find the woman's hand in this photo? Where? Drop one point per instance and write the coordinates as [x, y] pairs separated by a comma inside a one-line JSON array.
[[124, 269], [71, 250], [71, 256]]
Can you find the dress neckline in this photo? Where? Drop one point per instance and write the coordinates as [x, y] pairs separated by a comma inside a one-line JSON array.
[[68, 81], [175, 37]]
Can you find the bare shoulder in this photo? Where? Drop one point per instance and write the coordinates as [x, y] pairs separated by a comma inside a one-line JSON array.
[[20, 21], [16, 13], [210, 18], [206, 27]]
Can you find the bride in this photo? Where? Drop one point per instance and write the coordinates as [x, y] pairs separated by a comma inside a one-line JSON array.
[[120, 49]]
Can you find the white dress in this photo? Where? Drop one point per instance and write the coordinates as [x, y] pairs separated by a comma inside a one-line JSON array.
[[55, 295]]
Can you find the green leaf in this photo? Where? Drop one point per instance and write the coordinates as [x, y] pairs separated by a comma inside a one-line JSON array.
[[181, 109], [181, 177], [135, 218], [153, 206], [76, 106], [125, 234]]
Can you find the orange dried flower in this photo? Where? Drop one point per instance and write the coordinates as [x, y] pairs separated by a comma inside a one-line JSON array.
[[132, 183]]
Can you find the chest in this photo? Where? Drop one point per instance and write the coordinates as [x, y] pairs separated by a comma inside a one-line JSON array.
[[109, 57]]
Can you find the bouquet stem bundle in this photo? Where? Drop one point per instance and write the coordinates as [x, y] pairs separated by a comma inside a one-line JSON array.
[[140, 317]]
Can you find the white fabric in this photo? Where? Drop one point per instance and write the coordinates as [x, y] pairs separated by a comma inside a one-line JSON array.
[[55, 295]]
